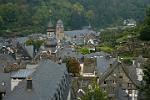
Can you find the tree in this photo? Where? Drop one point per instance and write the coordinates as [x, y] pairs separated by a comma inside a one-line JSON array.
[[77, 7], [145, 27], [84, 51], [41, 16], [36, 43], [147, 80], [31, 16], [73, 66], [94, 93], [90, 15], [1, 22], [29, 42]]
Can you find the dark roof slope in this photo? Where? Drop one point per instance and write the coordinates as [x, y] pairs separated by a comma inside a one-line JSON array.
[[45, 80], [5, 84]]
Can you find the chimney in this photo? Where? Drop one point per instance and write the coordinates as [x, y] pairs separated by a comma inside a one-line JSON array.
[[111, 65], [29, 83], [60, 61]]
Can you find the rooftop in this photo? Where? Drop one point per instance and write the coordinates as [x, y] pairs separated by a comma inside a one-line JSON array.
[[45, 82]]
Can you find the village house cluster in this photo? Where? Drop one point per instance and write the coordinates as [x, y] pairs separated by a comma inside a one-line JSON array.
[[29, 72]]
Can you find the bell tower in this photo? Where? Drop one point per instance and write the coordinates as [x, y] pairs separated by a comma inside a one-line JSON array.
[[50, 30], [59, 30]]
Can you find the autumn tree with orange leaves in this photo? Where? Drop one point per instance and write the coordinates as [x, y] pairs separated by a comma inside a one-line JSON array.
[[73, 66]]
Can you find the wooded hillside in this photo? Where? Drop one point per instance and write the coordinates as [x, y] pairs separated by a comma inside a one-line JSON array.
[[29, 16]]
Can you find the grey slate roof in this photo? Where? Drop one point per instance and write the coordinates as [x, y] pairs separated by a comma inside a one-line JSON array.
[[96, 54], [68, 52], [5, 84], [78, 41], [78, 32], [45, 81], [30, 50], [6, 59], [22, 40], [51, 42], [103, 64], [22, 73], [59, 22]]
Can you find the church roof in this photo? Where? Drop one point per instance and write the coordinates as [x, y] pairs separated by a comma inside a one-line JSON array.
[[50, 24], [59, 22], [51, 42]]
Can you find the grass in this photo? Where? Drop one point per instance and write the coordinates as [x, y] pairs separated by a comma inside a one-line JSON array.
[[106, 49], [121, 39], [127, 59]]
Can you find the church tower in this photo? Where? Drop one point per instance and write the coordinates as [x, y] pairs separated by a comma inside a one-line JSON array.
[[59, 30], [50, 30]]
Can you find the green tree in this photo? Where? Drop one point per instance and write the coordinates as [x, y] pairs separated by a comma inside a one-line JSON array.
[[145, 27], [84, 51], [29, 42], [77, 7], [36, 43], [94, 93], [147, 80], [90, 15], [1, 22], [41, 16]]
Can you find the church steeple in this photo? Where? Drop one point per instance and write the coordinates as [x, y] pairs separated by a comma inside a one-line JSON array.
[[59, 30], [50, 30]]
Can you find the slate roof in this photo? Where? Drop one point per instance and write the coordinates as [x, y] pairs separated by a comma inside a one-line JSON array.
[[78, 41], [1, 45], [22, 73], [30, 50], [30, 66], [50, 24], [59, 22], [51, 42], [5, 84], [96, 54], [22, 40], [103, 64], [79, 32], [5, 59], [68, 52], [45, 81]]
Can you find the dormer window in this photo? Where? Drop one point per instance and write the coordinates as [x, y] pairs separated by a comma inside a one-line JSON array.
[[3, 83], [114, 82], [120, 77]]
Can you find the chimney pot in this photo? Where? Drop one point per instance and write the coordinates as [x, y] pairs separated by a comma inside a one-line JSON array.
[[29, 83]]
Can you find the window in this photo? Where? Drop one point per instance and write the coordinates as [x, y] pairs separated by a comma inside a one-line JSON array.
[[120, 77], [104, 82], [114, 82], [130, 91], [130, 85], [56, 98], [2, 94], [3, 83]]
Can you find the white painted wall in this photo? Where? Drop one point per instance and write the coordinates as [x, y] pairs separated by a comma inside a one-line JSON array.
[[14, 83], [139, 73]]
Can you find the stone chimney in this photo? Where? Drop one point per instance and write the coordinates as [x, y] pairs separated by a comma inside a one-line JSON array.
[[29, 83]]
